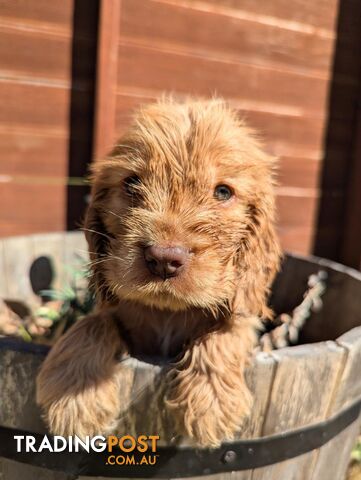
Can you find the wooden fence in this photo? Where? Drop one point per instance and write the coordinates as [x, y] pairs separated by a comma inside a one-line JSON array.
[[71, 73]]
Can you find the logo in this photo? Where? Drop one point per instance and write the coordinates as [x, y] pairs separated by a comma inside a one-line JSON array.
[[124, 450]]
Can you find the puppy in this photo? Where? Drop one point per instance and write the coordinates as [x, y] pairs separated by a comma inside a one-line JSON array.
[[181, 237]]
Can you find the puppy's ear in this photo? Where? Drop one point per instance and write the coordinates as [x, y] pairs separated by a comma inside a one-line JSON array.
[[258, 258], [97, 237]]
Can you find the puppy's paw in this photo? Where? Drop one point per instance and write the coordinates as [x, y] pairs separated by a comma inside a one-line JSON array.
[[90, 412], [211, 409]]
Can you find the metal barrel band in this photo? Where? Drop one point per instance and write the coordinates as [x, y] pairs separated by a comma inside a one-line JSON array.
[[173, 461]]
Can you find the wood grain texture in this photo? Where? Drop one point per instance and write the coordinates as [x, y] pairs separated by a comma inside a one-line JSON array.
[[321, 14], [334, 458], [144, 394], [11, 470], [347, 392], [29, 151], [76, 248], [299, 172], [3, 280], [37, 54], [18, 370], [18, 255], [297, 384], [40, 10], [27, 207], [298, 370], [259, 377], [177, 26], [349, 388], [106, 76], [53, 247], [40, 104], [160, 70]]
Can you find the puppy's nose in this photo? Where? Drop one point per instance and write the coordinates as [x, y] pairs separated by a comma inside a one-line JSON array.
[[165, 262]]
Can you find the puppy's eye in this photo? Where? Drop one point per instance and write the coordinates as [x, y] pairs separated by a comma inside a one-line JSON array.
[[130, 184], [223, 192]]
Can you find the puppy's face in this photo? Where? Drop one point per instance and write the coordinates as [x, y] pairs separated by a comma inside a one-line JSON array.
[[176, 205]]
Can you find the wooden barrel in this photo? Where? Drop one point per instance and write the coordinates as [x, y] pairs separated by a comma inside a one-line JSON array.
[[306, 413]]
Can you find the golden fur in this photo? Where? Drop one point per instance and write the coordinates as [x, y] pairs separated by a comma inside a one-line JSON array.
[[208, 315]]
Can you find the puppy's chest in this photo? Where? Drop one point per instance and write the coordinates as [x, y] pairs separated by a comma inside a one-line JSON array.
[[163, 335]]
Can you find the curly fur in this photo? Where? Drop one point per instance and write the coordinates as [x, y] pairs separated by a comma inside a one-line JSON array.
[[208, 315]]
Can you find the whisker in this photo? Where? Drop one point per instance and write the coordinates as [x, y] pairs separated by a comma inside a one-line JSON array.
[[89, 251], [115, 214], [98, 233]]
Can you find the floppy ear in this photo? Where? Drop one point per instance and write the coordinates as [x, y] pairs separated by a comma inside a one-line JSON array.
[[258, 257], [98, 239]]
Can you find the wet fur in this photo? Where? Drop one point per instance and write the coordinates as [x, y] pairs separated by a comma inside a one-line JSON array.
[[207, 317]]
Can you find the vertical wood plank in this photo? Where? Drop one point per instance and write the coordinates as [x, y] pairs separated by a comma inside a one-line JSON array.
[[18, 256], [304, 383], [76, 258], [304, 373], [349, 389], [76, 248], [18, 371], [259, 377], [107, 61], [3, 279], [11, 470], [52, 245], [333, 458]]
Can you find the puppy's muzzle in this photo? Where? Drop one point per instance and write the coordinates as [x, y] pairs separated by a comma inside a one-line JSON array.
[[166, 262]]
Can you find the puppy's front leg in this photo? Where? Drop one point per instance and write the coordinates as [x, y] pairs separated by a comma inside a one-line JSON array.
[[77, 385], [208, 388]]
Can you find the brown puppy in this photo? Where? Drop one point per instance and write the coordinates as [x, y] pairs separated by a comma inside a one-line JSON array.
[[183, 248]]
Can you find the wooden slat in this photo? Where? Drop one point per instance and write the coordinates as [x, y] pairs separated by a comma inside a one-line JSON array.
[[40, 10], [44, 105], [30, 208], [350, 388], [259, 378], [296, 132], [148, 68], [76, 250], [303, 374], [299, 172], [321, 14], [40, 55], [52, 246], [43, 55], [348, 391], [18, 256], [209, 33], [334, 457], [28, 152], [3, 282], [299, 370], [296, 211], [40, 104], [296, 239], [146, 395], [10, 470], [106, 76], [19, 411]]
